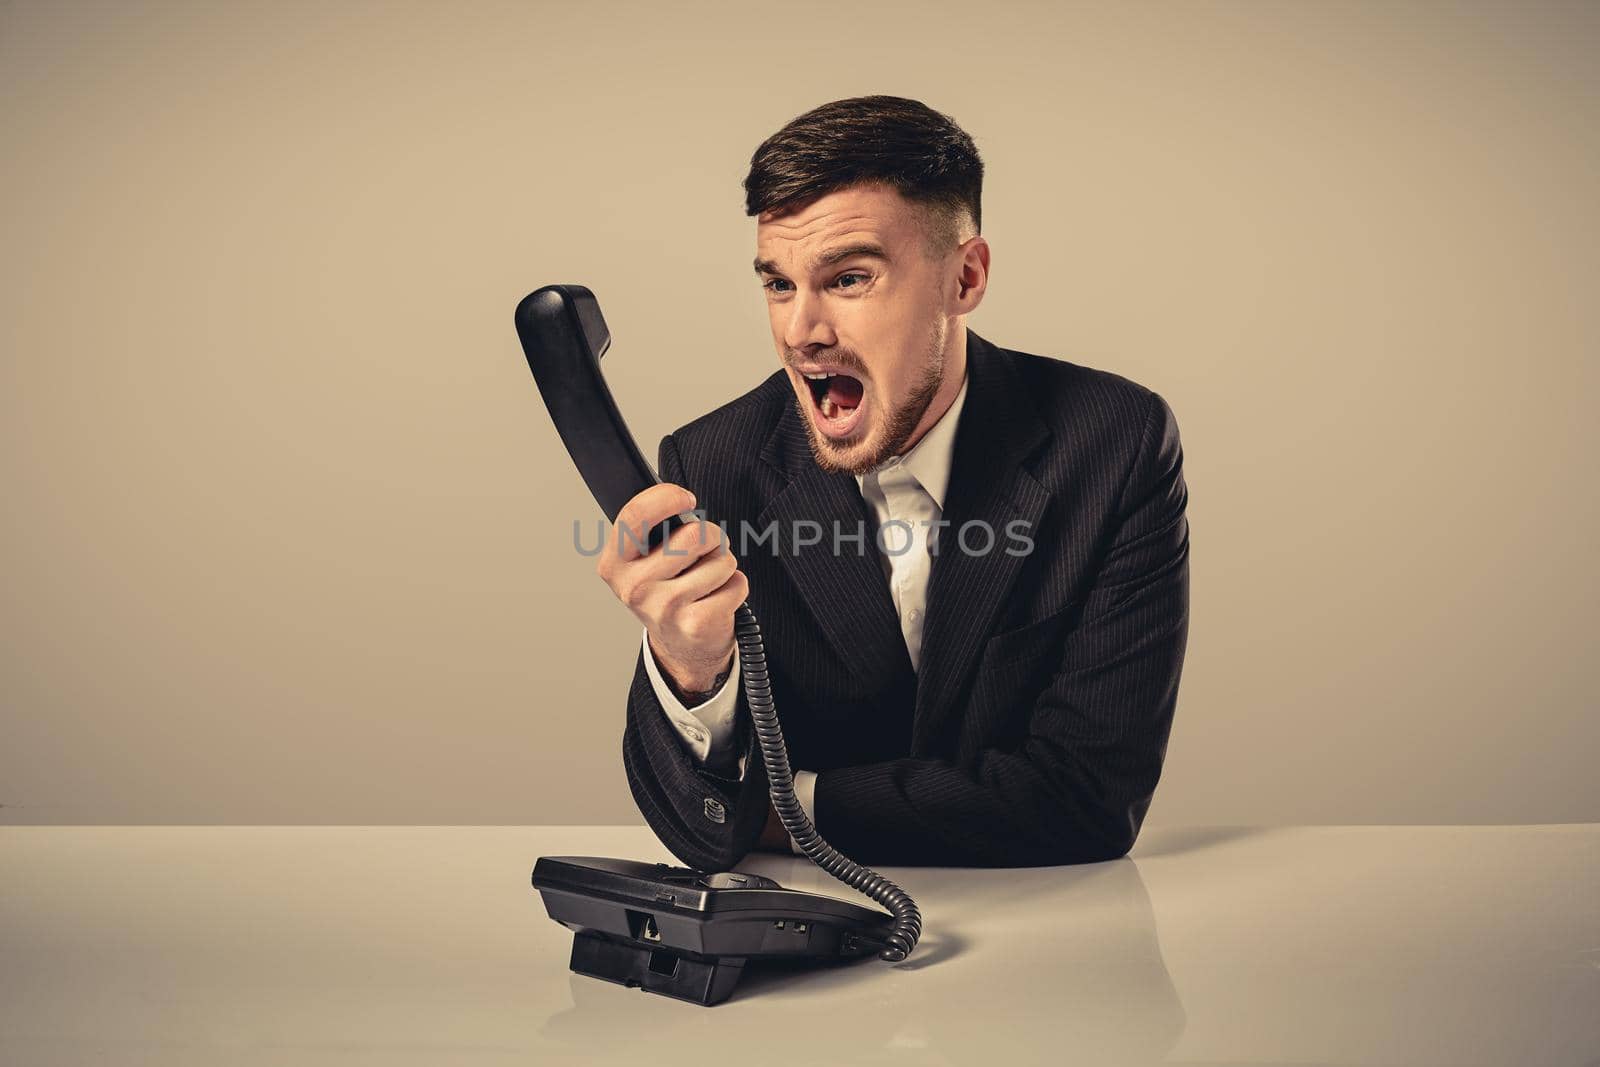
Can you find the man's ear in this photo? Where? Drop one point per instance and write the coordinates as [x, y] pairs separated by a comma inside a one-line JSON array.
[[972, 275]]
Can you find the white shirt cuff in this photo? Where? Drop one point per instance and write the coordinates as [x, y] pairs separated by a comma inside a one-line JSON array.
[[706, 729]]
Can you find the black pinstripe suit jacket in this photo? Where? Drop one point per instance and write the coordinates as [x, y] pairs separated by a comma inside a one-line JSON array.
[[1037, 728]]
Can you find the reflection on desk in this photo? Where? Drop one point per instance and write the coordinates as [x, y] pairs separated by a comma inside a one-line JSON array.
[[399, 945]]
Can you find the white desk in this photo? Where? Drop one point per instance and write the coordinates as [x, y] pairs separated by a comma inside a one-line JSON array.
[[383, 945]]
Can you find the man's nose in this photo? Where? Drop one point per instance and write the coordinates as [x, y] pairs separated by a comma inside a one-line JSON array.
[[808, 326]]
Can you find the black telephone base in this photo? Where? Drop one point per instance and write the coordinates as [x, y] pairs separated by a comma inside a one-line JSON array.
[[688, 933], [703, 980]]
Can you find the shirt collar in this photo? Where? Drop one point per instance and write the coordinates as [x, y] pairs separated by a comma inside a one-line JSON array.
[[929, 459]]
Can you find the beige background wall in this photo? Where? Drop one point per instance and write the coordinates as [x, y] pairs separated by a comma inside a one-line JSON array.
[[287, 533]]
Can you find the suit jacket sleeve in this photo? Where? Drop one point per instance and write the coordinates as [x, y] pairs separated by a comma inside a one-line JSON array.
[[707, 731], [708, 816], [1077, 788]]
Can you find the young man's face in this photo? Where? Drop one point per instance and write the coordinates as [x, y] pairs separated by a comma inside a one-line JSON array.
[[862, 317]]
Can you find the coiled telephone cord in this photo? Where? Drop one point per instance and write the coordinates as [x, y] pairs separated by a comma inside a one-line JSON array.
[[780, 779]]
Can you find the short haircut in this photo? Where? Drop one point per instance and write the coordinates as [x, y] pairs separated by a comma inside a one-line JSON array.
[[891, 140]]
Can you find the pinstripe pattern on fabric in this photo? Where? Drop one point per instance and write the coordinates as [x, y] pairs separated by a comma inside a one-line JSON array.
[[1038, 728]]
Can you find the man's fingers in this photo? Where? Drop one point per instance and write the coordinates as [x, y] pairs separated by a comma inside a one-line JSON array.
[[717, 599], [670, 596], [684, 591], [731, 593], [643, 513], [711, 616], [683, 548], [687, 545]]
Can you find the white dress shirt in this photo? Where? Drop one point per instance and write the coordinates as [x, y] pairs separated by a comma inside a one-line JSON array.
[[906, 493]]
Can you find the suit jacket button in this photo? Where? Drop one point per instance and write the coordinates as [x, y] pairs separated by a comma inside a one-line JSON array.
[[714, 810]]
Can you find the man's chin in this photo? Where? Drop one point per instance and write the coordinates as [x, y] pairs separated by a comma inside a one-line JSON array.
[[834, 459], [855, 454]]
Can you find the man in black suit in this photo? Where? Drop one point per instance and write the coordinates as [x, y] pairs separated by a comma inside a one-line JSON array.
[[970, 564]]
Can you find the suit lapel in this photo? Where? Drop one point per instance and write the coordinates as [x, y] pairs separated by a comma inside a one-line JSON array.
[[989, 484], [846, 591]]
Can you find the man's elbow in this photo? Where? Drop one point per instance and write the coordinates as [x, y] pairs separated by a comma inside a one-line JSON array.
[[1095, 849], [1103, 835]]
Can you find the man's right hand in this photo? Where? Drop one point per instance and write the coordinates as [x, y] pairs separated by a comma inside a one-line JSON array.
[[685, 591]]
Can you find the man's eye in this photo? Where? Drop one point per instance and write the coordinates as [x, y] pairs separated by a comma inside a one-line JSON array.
[[858, 278]]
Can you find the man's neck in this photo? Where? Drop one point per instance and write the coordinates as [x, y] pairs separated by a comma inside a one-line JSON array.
[[955, 372]]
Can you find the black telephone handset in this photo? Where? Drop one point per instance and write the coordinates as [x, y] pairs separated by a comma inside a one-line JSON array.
[[676, 930], [564, 336]]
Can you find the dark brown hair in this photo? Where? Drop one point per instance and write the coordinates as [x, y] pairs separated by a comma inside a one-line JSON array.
[[886, 139]]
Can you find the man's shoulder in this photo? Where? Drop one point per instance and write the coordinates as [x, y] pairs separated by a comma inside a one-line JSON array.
[[1075, 399]]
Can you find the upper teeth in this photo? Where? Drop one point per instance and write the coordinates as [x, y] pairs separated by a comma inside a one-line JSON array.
[[818, 376]]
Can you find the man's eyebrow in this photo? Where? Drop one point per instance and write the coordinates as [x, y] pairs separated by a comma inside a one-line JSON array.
[[830, 257]]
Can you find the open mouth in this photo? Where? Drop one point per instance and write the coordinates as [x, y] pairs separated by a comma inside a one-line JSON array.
[[836, 398]]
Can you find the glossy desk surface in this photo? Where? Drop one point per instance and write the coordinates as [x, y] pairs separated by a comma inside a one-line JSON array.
[[405, 945]]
